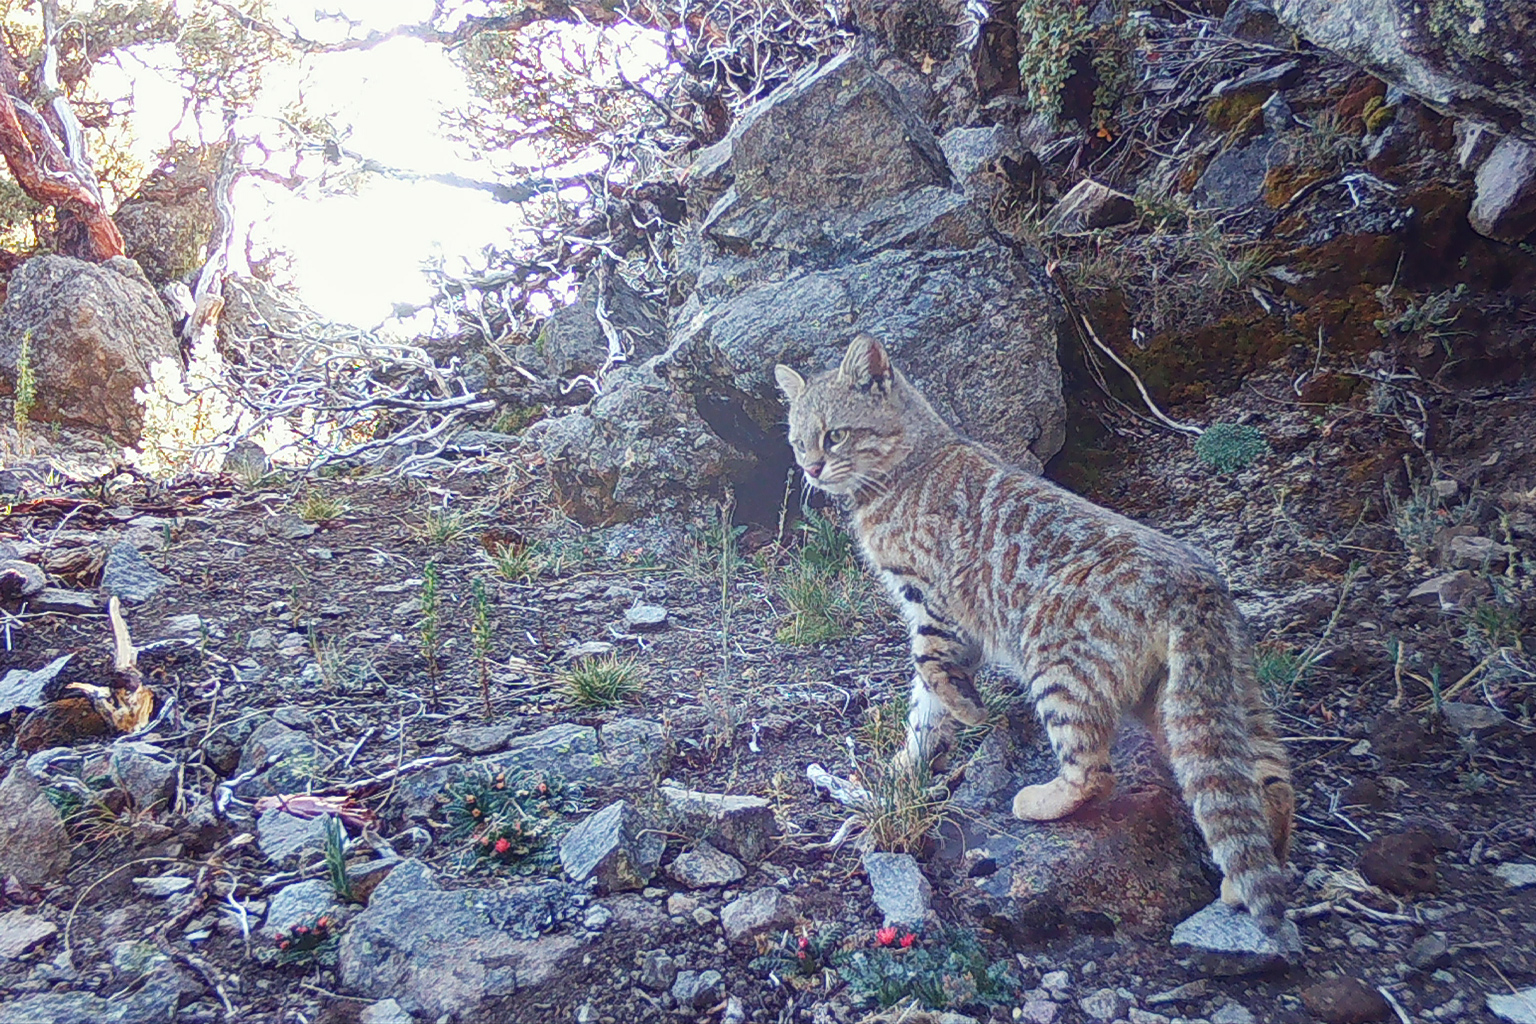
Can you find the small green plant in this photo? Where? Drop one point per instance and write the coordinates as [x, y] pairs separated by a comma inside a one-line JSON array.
[[444, 525], [310, 943], [26, 384], [1280, 669], [602, 682], [1051, 32], [431, 635], [822, 584], [1229, 447], [336, 859], [948, 971], [482, 630], [1492, 626], [514, 563], [513, 418], [508, 819], [803, 956], [1433, 319], [318, 507]]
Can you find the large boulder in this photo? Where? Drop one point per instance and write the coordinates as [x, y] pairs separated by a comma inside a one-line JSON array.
[[1469, 59], [95, 329], [830, 209], [575, 340]]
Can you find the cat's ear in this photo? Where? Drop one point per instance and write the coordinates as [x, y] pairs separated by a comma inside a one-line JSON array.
[[790, 382], [866, 364]]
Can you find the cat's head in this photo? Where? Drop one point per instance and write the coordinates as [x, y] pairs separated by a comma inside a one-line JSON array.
[[850, 427]]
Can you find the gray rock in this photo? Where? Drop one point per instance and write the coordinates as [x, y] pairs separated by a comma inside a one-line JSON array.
[[482, 739], [1428, 952], [695, 990], [1233, 942], [299, 903], [1466, 62], [1516, 874], [1105, 1004], [596, 918], [614, 848], [1234, 1013], [808, 224], [143, 771], [20, 580], [34, 844], [1234, 179], [588, 649], [902, 893], [763, 910], [1088, 206], [1473, 144], [1477, 551], [1038, 1010], [1504, 205], [288, 755], [20, 688], [385, 1011], [1057, 984], [742, 826], [1472, 719], [129, 575], [22, 931], [190, 624], [64, 602], [283, 836], [288, 526], [1452, 591], [162, 886], [704, 866], [156, 1001], [646, 618], [1255, 21], [1519, 1008], [657, 971], [95, 329], [573, 340], [1138, 1016], [1185, 993], [437, 952]]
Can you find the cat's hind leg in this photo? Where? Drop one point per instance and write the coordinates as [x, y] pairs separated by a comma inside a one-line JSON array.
[[1080, 732]]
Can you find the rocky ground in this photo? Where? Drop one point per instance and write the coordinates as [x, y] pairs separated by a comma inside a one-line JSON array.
[[288, 631]]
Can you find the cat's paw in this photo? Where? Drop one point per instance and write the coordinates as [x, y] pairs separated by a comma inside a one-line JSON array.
[[1056, 799]]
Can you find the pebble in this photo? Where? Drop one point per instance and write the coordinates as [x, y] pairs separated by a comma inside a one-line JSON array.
[[1346, 1000], [704, 917], [1234, 1013], [1105, 1004], [1428, 951], [1036, 1011], [680, 904], [1360, 940], [1516, 874], [1057, 983], [646, 618], [1136, 1016], [596, 917]]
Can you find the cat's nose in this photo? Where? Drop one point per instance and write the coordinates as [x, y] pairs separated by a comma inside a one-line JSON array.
[[814, 469]]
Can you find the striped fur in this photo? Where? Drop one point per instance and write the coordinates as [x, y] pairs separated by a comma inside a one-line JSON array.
[[1098, 615]]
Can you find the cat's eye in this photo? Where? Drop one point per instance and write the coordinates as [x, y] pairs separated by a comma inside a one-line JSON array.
[[835, 437]]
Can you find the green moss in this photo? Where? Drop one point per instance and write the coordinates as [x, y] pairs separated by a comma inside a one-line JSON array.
[[1229, 447], [1231, 111], [1376, 114]]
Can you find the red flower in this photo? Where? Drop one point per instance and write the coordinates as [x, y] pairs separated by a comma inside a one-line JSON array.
[[300, 930], [885, 936], [907, 940], [282, 943], [801, 954], [503, 845]]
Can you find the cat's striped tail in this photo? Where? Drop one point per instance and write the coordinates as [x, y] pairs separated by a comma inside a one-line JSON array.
[[1223, 752]]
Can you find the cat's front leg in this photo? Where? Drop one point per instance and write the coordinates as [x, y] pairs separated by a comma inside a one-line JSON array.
[[929, 728], [943, 687]]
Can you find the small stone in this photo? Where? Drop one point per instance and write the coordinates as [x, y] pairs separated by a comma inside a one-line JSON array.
[[1451, 592], [741, 826], [767, 909], [1185, 993], [482, 739], [20, 688], [704, 866], [20, 580], [1136, 1016], [1428, 952], [646, 618], [1058, 984], [385, 1011], [902, 893], [299, 903], [736, 1011], [288, 526], [143, 771], [190, 624], [1403, 864], [596, 918], [1036, 1010], [261, 639], [1444, 489], [704, 917], [614, 847], [34, 844], [1235, 940], [1105, 1004], [1472, 719], [653, 892], [1088, 206], [589, 649], [1360, 940], [695, 990], [129, 576], [1477, 551], [1519, 1008], [657, 971], [283, 836], [163, 886], [1346, 1001], [1516, 874], [680, 904], [1504, 203], [59, 601], [1234, 1013], [22, 931]]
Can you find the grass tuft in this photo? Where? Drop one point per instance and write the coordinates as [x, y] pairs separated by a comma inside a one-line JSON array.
[[603, 682], [317, 507]]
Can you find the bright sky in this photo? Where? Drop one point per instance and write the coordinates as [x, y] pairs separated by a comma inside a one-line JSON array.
[[354, 257]]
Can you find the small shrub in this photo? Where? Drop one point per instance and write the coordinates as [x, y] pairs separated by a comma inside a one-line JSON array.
[[509, 819], [603, 682], [822, 585], [1279, 669], [316, 507], [26, 384], [444, 525], [1229, 447]]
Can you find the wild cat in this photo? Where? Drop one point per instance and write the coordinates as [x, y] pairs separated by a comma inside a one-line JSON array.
[[1097, 615]]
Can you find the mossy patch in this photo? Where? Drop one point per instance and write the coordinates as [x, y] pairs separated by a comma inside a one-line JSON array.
[[1282, 184], [1351, 106], [1231, 111]]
